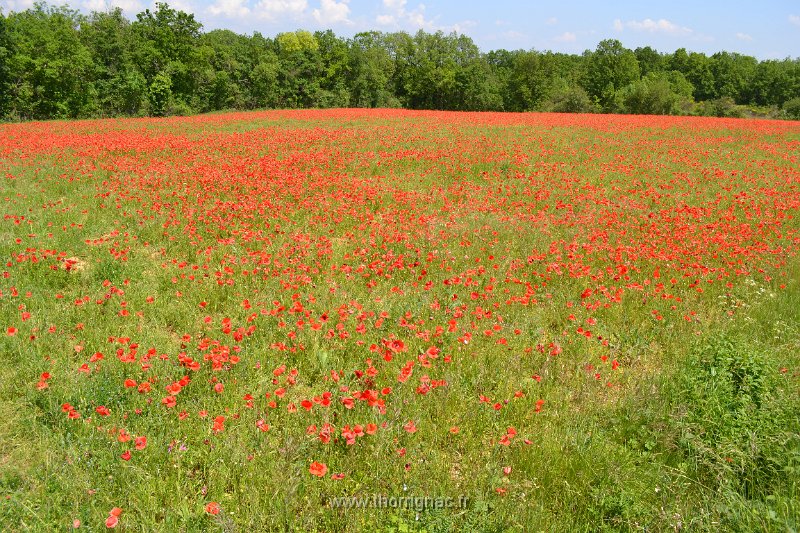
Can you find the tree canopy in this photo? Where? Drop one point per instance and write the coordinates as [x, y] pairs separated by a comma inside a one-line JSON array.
[[56, 62]]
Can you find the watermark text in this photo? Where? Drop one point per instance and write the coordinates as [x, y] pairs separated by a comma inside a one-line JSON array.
[[382, 501]]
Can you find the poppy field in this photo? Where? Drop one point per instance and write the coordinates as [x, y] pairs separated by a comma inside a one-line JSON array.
[[553, 322]]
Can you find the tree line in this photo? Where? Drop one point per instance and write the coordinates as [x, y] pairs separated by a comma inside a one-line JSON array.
[[58, 63]]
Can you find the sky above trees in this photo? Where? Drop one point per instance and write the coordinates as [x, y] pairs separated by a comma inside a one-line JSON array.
[[766, 30]]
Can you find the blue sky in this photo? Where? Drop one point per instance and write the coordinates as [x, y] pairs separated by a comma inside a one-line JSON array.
[[767, 29]]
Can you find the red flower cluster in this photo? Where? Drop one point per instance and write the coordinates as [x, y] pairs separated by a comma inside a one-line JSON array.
[[350, 272]]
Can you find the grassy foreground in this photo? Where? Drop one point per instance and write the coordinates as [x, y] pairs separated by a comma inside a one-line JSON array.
[[480, 322]]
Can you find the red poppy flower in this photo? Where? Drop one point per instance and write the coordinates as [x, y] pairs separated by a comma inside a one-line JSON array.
[[318, 469]]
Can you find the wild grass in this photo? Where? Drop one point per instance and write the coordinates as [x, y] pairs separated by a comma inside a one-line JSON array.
[[684, 419]]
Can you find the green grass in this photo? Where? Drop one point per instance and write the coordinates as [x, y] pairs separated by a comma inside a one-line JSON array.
[[697, 428]]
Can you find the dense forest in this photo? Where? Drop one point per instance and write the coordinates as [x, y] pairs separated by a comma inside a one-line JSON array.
[[58, 63]]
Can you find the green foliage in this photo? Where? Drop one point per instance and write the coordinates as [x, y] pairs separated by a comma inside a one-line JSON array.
[[774, 82], [5, 71], [570, 100], [610, 68], [649, 60], [721, 107], [732, 75], [528, 82], [159, 94], [121, 87], [792, 108], [478, 87], [656, 94], [129, 90], [166, 42], [432, 83], [615, 507], [57, 63], [370, 70], [738, 431], [297, 41], [264, 82], [698, 72], [49, 67]]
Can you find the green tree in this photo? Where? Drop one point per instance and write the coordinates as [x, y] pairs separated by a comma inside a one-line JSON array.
[[55, 62], [166, 41], [775, 82], [791, 108], [698, 72], [228, 60], [501, 64], [528, 84], [335, 62], [649, 60], [733, 74], [159, 94], [301, 69], [120, 86], [610, 68], [370, 71], [297, 41], [566, 98], [5, 70], [534, 77], [431, 81], [49, 70], [658, 93], [401, 49], [477, 88], [264, 80], [679, 61], [447, 72]]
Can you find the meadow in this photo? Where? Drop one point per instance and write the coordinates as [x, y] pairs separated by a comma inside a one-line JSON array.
[[516, 322]]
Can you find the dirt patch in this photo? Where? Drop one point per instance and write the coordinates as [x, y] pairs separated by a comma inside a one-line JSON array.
[[75, 264]]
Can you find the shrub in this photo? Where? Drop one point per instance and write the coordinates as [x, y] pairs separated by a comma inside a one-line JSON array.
[[722, 107], [656, 94], [791, 108], [737, 431], [159, 94], [571, 100]]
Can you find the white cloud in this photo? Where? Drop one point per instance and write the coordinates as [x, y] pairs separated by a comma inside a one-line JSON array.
[[397, 15], [744, 37], [463, 26], [128, 6], [513, 35], [394, 5], [417, 17], [177, 5], [16, 5], [275, 9], [331, 12], [794, 19], [552, 21], [566, 37], [229, 8], [652, 26], [95, 5]]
